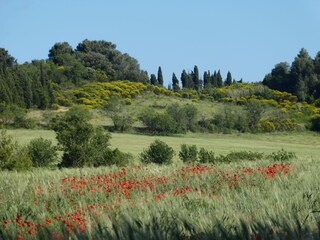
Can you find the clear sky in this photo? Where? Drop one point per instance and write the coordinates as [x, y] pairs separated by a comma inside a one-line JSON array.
[[247, 37]]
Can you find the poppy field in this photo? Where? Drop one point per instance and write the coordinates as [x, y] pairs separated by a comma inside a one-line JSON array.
[[252, 200]]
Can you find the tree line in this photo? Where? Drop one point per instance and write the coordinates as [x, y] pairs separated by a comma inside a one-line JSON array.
[[34, 84], [192, 80], [301, 78]]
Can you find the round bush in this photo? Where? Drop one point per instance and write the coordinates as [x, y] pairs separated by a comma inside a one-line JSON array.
[[42, 153], [158, 152]]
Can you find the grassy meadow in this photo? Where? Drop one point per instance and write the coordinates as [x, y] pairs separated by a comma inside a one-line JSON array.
[[242, 200]]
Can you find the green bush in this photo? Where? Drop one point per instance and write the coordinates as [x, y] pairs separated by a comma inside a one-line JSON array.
[[13, 157], [185, 117], [231, 118], [188, 153], [158, 122], [42, 152], [239, 156], [282, 155], [114, 157], [206, 156], [81, 143], [122, 121], [14, 116], [158, 152]]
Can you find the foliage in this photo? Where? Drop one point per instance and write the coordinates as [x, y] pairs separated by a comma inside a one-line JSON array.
[[157, 122], [315, 123], [122, 121], [14, 116], [81, 143], [114, 157], [158, 152], [276, 123], [254, 112], [98, 94], [188, 153], [282, 155], [240, 156], [184, 116], [231, 118], [42, 152], [302, 78], [13, 157], [206, 156]]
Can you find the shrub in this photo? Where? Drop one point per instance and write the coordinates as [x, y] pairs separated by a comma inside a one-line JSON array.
[[206, 156], [239, 156], [254, 109], [282, 155], [15, 116], [231, 118], [185, 116], [266, 126], [122, 121], [42, 152], [81, 142], [114, 157], [158, 122], [12, 157], [188, 153], [158, 152]]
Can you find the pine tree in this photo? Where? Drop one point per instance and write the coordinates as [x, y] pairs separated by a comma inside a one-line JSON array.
[[160, 77]]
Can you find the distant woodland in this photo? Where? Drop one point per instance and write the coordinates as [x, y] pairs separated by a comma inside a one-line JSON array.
[[39, 83]]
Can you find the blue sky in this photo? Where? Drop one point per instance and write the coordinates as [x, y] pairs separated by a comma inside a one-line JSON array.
[[247, 37]]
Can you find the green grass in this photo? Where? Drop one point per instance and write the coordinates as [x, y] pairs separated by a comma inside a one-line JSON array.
[[304, 144]]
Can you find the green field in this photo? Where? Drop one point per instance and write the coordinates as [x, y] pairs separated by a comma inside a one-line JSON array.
[[242, 200], [303, 144]]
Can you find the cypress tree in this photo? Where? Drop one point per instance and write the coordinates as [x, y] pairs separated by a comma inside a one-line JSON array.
[[195, 78], [184, 79], [206, 79], [175, 83], [153, 79], [160, 77], [228, 80], [219, 79], [213, 79]]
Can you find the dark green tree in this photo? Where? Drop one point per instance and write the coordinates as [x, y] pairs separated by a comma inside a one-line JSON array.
[[195, 78], [228, 80], [175, 83], [184, 79], [219, 79], [6, 60], [60, 52], [206, 79], [160, 77], [153, 79], [213, 79]]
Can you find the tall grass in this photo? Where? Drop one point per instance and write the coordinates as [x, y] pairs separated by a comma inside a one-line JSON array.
[[164, 202]]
